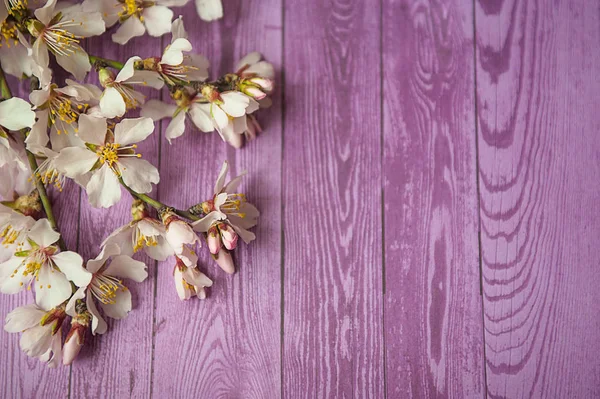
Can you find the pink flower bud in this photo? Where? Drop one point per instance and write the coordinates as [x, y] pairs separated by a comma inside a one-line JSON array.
[[228, 235], [73, 343], [255, 93], [213, 240], [224, 260], [266, 84]]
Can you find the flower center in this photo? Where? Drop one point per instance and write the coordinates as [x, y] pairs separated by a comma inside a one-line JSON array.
[[8, 34], [64, 112], [142, 241], [131, 8], [108, 154], [233, 204], [105, 288]]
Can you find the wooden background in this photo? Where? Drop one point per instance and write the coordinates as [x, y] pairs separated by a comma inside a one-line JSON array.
[[428, 182]]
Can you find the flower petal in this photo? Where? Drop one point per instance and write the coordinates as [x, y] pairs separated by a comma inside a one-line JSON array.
[[78, 63], [128, 69], [161, 251], [176, 126], [51, 287], [45, 13], [86, 24], [98, 324], [200, 115], [138, 174], [157, 20], [23, 318], [173, 54], [209, 10], [157, 110], [204, 224], [112, 103], [92, 129], [16, 113], [124, 266], [130, 131], [220, 117], [79, 294], [43, 234], [103, 189], [93, 265], [221, 178], [235, 103], [71, 264], [121, 307], [177, 27], [75, 161], [132, 27]]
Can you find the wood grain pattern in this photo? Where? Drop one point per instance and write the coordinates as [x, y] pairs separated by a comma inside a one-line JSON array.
[[229, 344], [118, 363], [433, 326], [21, 376], [537, 99], [333, 337]]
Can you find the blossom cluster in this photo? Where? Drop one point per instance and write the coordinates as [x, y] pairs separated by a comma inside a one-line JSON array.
[[76, 132]]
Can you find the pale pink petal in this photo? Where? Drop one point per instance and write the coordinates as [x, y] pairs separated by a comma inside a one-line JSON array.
[[138, 174], [250, 59], [77, 63], [132, 27], [71, 264], [220, 117], [98, 324], [86, 24], [200, 115], [111, 249], [36, 341], [23, 318], [157, 110], [176, 127], [112, 103], [51, 288], [123, 266], [121, 307], [221, 177], [177, 27], [173, 54], [79, 294], [16, 113], [130, 131], [43, 234], [209, 10], [45, 13], [103, 189], [92, 129], [161, 251], [235, 103], [157, 20], [128, 69], [75, 161], [204, 224]]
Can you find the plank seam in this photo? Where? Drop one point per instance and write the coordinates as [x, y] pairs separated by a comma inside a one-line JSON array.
[[282, 205], [381, 169], [477, 185]]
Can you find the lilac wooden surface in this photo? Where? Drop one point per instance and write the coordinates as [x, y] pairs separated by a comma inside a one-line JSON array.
[[433, 329], [538, 124], [399, 130]]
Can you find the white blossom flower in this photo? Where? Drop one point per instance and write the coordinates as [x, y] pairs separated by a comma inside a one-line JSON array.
[[42, 334], [14, 227], [180, 236], [144, 233], [40, 264], [256, 76], [60, 32], [209, 10], [135, 16], [14, 56], [60, 108], [110, 155], [189, 281], [75, 337], [228, 207], [106, 286], [174, 64], [119, 95]]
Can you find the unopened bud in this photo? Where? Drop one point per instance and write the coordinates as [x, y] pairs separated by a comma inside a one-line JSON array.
[[213, 240], [228, 235], [224, 260], [74, 340], [105, 76], [265, 84], [255, 92], [28, 205]]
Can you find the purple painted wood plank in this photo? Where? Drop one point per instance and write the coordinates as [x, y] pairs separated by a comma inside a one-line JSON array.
[[537, 98], [227, 345], [433, 325], [21, 376], [333, 336], [118, 363]]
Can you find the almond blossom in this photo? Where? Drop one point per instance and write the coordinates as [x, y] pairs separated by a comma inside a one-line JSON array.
[[228, 208], [135, 16], [110, 155], [60, 33], [256, 76], [175, 66], [180, 236], [106, 286], [60, 108], [14, 227], [41, 264], [189, 281], [119, 95], [143, 232], [41, 331]]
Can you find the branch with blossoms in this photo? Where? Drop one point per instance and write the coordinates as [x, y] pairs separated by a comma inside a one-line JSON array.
[[78, 133]]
